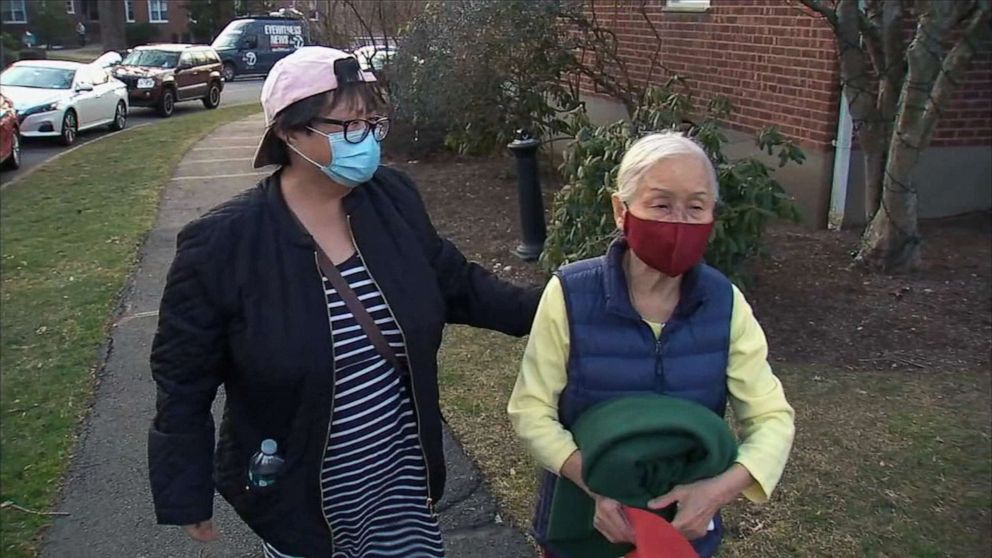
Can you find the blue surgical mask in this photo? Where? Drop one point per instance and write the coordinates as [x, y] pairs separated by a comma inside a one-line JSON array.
[[351, 163]]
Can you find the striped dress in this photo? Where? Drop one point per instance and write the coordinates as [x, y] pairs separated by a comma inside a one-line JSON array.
[[374, 482]]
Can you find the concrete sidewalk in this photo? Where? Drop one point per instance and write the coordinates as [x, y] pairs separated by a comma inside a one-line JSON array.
[[107, 493]]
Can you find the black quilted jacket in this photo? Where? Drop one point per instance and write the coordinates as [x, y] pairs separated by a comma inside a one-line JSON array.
[[244, 308]]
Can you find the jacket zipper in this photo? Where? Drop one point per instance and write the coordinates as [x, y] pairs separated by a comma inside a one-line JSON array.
[[659, 368], [334, 385], [413, 386]]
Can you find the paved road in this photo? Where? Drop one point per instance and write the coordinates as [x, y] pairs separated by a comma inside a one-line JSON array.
[[36, 152]]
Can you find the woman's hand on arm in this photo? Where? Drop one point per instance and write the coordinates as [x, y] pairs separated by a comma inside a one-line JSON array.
[[474, 295]]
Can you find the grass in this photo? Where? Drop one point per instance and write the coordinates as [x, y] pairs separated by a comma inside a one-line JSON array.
[[884, 464], [83, 55], [70, 234]]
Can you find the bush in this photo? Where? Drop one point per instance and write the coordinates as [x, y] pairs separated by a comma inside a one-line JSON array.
[[582, 217], [33, 54], [138, 34], [51, 23], [469, 74], [9, 42], [10, 49]]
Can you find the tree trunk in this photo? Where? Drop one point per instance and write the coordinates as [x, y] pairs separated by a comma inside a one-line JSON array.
[[111, 25], [891, 242], [873, 145]]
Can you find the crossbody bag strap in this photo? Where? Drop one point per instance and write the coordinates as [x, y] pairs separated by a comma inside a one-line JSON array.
[[358, 310]]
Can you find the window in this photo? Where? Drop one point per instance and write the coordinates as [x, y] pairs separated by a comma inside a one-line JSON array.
[[199, 58], [38, 77], [187, 60], [688, 5], [70, 6], [129, 11], [13, 11], [158, 11]]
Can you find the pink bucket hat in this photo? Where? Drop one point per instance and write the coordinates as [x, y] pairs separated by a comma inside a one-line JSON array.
[[304, 73]]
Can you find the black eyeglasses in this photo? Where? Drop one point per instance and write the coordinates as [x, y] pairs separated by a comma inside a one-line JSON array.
[[356, 130]]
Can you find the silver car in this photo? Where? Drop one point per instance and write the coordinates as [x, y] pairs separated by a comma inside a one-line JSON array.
[[60, 99]]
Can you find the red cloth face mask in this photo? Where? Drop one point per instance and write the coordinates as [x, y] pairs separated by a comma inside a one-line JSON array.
[[671, 248]]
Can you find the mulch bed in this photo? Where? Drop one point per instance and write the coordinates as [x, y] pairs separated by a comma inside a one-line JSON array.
[[816, 308]]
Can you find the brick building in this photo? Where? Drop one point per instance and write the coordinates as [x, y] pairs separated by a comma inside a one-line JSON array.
[[777, 63], [167, 16]]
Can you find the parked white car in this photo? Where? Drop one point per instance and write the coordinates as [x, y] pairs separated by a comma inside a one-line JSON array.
[[60, 99], [373, 58]]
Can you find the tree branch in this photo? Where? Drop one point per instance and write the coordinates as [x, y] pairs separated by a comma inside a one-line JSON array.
[[361, 21], [859, 87], [892, 72], [819, 7], [954, 65], [655, 58]]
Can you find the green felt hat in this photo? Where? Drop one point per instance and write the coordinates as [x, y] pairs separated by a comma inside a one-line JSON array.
[[635, 449]]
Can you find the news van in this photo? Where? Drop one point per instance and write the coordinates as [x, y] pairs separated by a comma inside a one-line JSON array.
[[252, 45]]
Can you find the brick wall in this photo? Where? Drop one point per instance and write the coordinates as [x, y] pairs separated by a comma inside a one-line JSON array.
[[775, 62], [174, 30], [968, 120]]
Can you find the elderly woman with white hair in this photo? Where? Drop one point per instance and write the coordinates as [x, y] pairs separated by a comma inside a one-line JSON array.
[[651, 317]]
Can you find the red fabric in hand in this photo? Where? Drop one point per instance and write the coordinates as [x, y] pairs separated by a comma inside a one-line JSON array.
[[656, 538]]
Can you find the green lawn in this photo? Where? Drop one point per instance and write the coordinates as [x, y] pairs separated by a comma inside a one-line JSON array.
[[70, 235], [884, 464]]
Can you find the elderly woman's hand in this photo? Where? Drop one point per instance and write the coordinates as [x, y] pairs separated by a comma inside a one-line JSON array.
[[698, 502], [611, 521]]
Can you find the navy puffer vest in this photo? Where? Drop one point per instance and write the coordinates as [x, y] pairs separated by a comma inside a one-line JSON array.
[[615, 353]]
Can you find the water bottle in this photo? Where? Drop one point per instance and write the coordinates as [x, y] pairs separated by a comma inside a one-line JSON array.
[[265, 465]]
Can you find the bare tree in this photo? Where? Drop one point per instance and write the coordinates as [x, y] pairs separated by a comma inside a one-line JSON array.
[[597, 53], [897, 84], [377, 24], [373, 22], [111, 25]]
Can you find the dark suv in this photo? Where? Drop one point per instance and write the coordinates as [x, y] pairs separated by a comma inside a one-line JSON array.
[[160, 76]]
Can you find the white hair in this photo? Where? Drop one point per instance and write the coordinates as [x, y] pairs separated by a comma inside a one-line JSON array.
[[652, 149]]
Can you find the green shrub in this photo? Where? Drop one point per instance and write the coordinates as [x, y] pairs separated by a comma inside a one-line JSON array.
[[9, 42], [10, 49], [582, 217], [51, 23], [468, 74], [140, 33]]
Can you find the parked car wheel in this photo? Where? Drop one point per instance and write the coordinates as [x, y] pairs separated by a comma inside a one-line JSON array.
[[229, 71], [14, 161], [70, 128], [212, 100], [167, 104], [120, 117]]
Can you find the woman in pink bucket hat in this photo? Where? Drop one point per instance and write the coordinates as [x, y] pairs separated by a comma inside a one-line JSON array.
[[318, 300]]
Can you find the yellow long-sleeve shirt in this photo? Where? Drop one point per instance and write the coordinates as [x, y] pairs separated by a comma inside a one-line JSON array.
[[756, 395]]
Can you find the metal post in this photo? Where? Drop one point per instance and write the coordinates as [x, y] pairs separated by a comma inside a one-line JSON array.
[[532, 227]]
